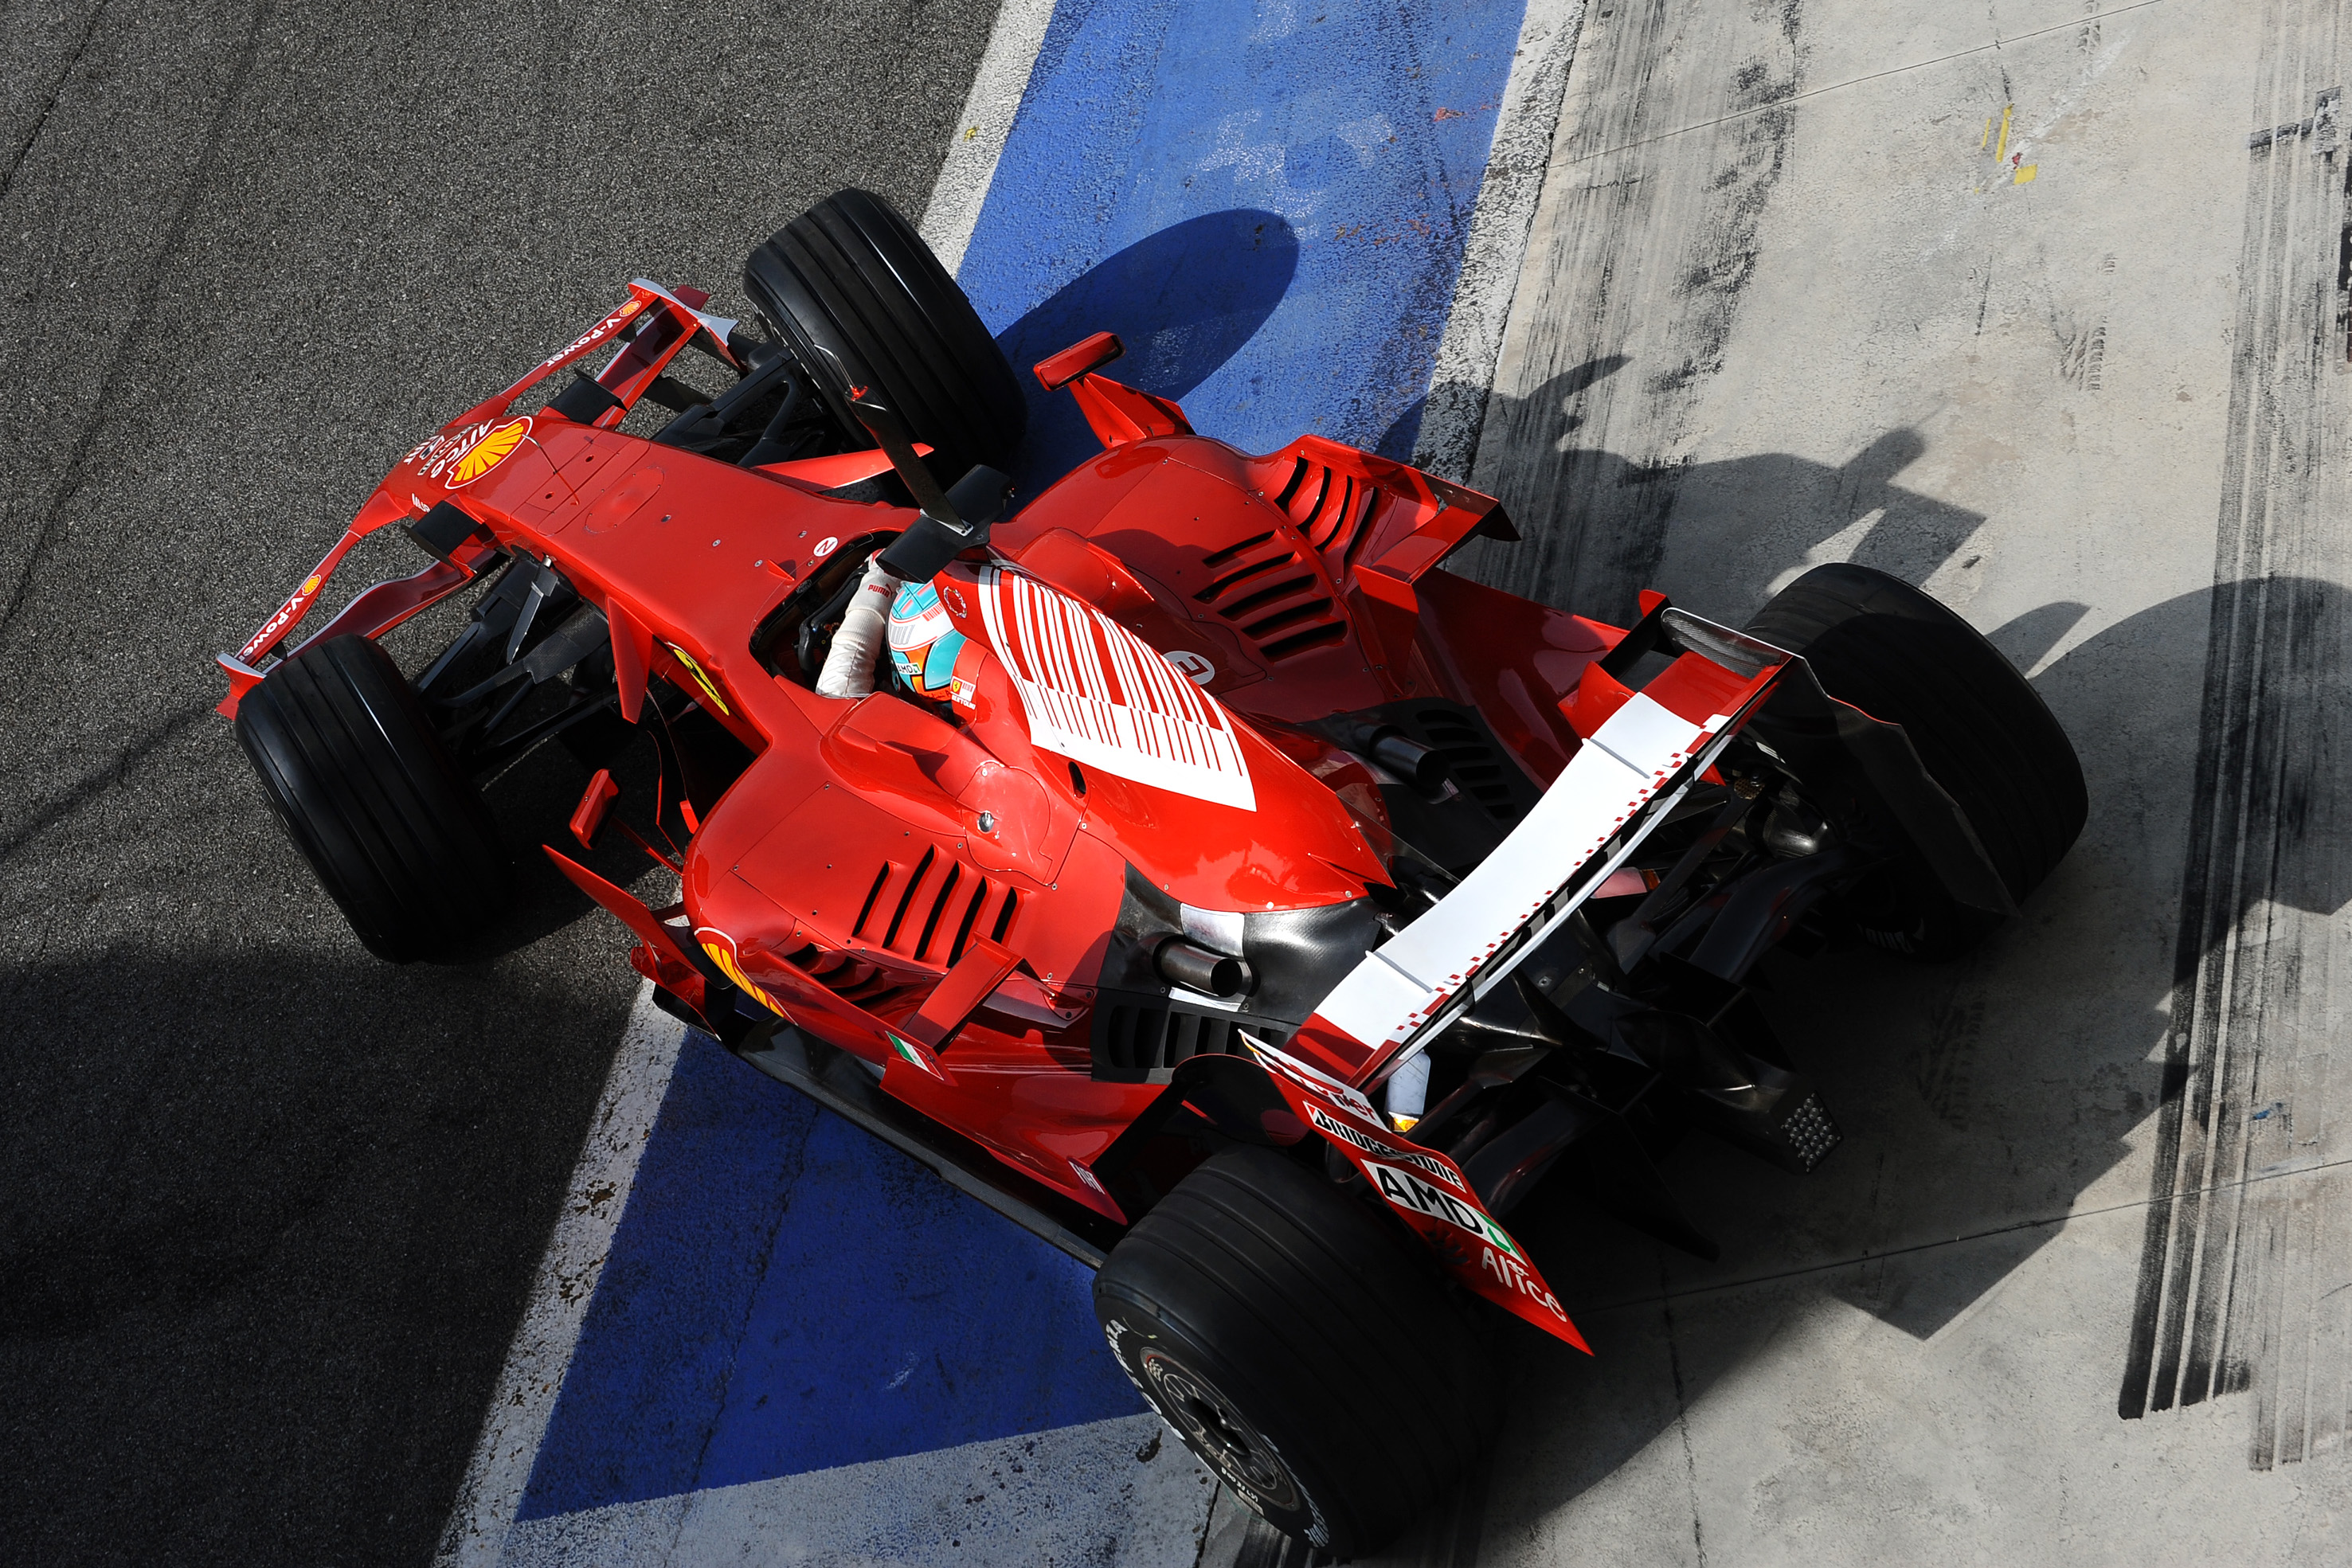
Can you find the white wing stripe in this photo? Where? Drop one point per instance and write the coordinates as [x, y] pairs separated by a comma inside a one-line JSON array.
[[1395, 989]]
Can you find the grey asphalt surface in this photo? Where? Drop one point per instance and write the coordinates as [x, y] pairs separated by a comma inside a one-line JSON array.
[[272, 1207]]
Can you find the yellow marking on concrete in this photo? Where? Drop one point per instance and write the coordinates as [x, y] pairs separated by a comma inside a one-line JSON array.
[[2000, 153], [1986, 140], [2025, 176]]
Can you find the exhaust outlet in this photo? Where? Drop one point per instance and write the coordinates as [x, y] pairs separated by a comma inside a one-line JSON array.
[[1408, 758], [1181, 962]]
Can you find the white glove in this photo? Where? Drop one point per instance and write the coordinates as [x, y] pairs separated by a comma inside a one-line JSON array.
[[858, 647]]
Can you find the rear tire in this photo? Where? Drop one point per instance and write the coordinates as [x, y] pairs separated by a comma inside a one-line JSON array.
[[853, 278], [1302, 1351], [1980, 730], [399, 838]]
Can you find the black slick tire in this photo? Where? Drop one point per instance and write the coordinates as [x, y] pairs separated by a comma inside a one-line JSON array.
[[851, 279], [1301, 1349], [399, 838], [1980, 730]]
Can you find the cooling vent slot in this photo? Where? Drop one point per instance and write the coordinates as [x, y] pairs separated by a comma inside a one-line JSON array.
[[1334, 510], [930, 912], [1140, 1036], [1474, 760], [848, 978], [1273, 595]]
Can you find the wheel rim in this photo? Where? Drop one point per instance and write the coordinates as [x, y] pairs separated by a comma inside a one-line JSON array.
[[1214, 1428]]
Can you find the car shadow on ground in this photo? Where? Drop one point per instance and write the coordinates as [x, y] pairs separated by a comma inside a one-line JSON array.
[[249, 1170], [1600, 527], [1966, 1144], [533, 801], [1183, 301]]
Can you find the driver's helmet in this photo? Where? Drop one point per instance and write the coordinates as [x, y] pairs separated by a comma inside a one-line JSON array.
[[923, 641]]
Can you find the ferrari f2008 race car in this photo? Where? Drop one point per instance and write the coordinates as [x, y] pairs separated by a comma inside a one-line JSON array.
[[1186, 864]]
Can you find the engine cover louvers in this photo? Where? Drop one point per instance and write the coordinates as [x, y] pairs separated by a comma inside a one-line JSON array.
[[928, 911], [1140, 1036], [1266, 588]]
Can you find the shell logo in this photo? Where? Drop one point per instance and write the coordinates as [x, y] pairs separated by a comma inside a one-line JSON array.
[[489, 452], [724, 956]]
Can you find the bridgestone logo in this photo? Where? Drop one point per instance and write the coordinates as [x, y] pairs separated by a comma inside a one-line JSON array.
[[1371, 1145]]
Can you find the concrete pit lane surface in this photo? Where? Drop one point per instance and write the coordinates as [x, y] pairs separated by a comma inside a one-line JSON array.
[[2040, 305]]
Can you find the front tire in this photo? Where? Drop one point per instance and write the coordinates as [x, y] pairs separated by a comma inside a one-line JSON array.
[[399, 838], [1300, 1348], [1980, 730], [851, 278]]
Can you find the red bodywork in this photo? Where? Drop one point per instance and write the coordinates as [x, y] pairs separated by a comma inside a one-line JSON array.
[[845, 879]]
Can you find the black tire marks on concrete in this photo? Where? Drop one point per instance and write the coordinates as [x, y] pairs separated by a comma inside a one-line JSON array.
[[1649, 68], [40, 118], [2249, 1238]]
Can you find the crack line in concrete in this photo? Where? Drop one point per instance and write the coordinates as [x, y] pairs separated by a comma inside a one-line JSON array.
[[77, 466], [1682, 1412], [109, 774]]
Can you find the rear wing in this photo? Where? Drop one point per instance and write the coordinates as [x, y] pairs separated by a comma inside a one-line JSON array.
[[1643, 751], [1635, 766]]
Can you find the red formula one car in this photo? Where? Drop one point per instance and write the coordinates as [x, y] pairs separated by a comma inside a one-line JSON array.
[[1207, 878]]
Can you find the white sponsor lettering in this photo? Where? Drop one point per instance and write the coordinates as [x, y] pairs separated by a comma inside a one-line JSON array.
[[1428, 1163], [1514, 1275], [1499, 1256], [261, 639], [1407, 1191], [602, 328], [1320, 1084], [435, 457]]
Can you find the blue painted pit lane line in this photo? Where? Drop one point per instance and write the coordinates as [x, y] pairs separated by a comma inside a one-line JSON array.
[[786, 1293], [1270, 204]]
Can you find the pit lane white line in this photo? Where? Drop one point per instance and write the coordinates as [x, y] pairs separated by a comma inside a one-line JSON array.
[[492, 1491], [1497, 244], [1121, 1493], [988, 113]]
